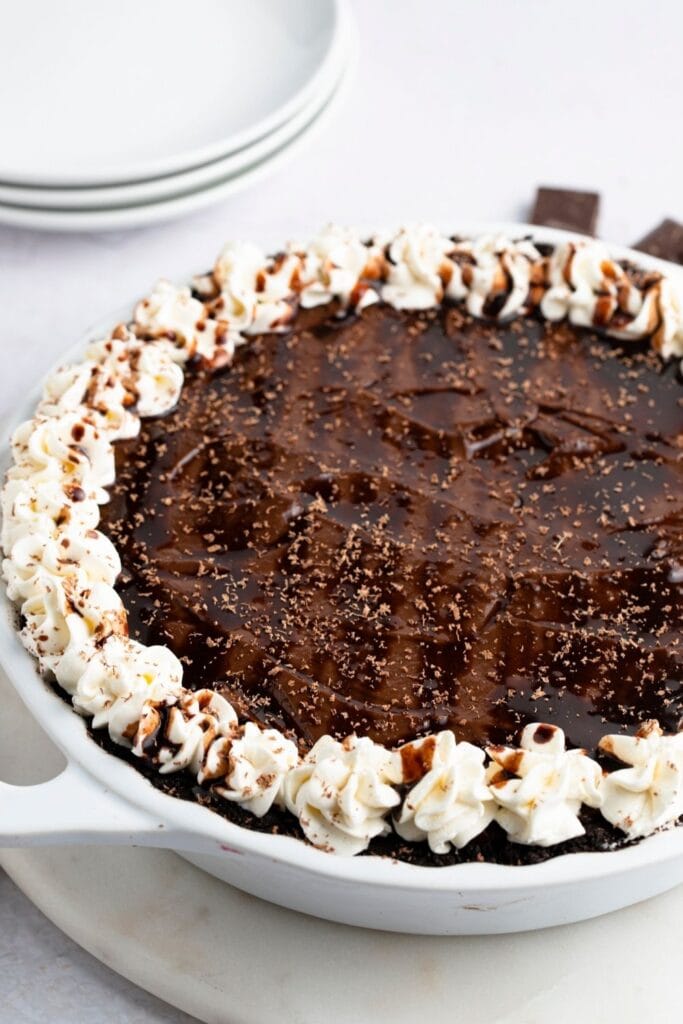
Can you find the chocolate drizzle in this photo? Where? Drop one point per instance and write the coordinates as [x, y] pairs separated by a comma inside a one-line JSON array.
[[400, 522]]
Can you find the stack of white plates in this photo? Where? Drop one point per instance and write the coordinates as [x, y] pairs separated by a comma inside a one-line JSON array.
[[120, 114]]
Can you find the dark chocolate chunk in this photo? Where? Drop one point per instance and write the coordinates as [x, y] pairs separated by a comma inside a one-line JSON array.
[[566, 208], [665, 241]]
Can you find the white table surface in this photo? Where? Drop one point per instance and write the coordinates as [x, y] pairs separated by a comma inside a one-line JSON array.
[[459, 110]]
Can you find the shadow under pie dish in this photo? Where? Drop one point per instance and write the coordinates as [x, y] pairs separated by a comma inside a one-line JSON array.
[[376, 543]]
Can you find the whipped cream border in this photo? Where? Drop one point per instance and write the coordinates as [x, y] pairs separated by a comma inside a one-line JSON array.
[[60, 571]]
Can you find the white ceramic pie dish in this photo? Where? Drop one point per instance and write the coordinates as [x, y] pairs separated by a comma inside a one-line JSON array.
[[101, 799]]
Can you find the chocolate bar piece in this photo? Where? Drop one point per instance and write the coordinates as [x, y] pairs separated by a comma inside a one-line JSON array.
[[566, 208], [664, 241]]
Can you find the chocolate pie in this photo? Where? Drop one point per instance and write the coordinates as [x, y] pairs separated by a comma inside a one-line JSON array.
[[400, 529]]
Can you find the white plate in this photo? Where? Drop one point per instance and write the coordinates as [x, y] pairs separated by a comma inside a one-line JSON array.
[[116, 218], [222, 955], [105, 93], [102, 196]]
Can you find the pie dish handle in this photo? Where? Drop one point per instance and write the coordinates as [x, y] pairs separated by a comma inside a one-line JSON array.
[[74, 808]]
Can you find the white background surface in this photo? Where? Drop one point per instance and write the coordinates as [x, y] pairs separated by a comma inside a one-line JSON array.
[[458, 112]]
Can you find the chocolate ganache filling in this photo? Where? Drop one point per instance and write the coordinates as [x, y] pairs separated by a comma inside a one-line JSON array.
[[394, 523]]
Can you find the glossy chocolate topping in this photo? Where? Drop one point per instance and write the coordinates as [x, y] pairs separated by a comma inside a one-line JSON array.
[[399, 522]]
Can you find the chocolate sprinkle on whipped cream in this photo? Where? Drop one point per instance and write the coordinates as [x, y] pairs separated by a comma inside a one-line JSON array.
[[384, 533]]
